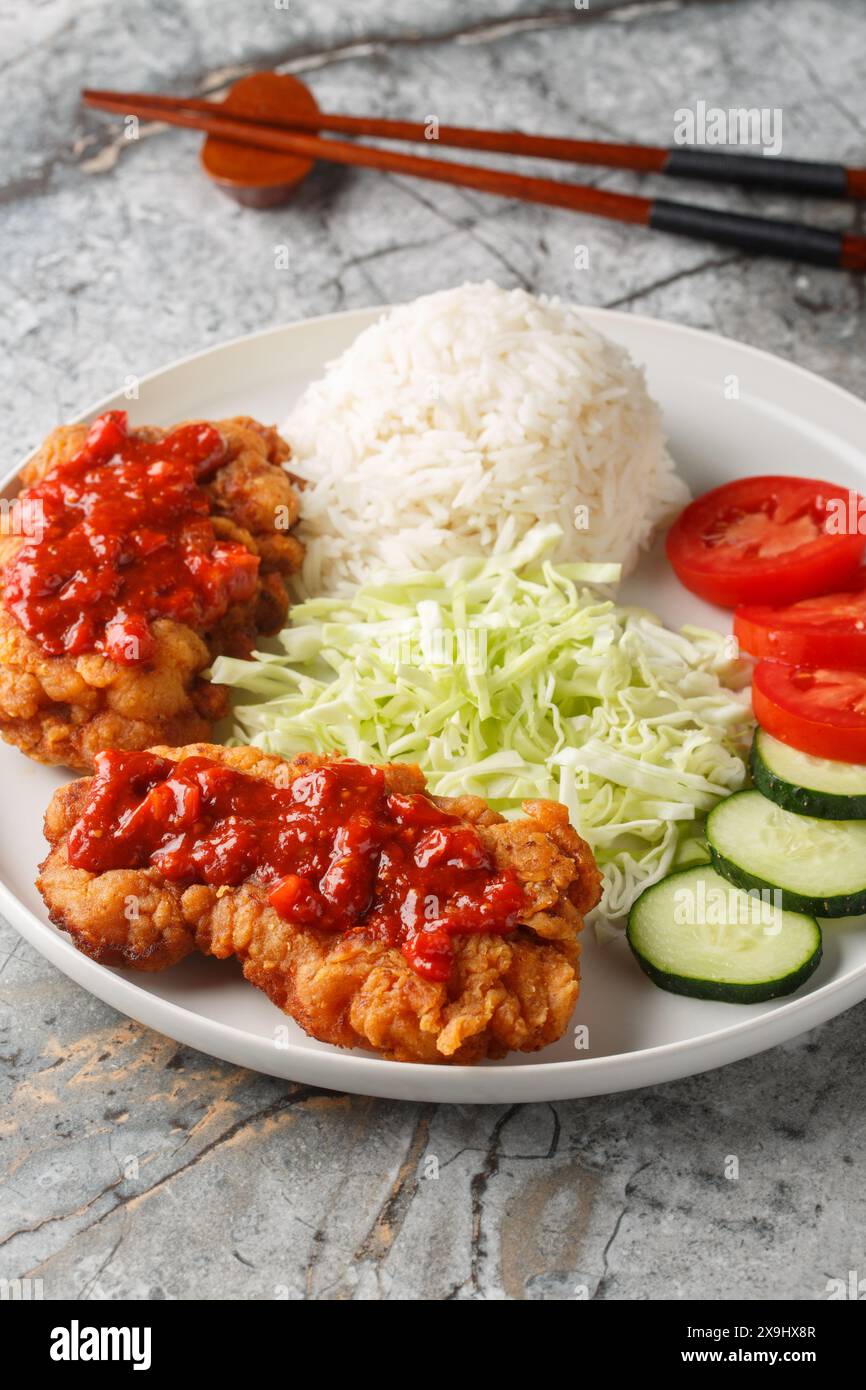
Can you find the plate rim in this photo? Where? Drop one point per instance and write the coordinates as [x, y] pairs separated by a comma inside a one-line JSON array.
[[396, 1078], [373, 311], [61, 952]]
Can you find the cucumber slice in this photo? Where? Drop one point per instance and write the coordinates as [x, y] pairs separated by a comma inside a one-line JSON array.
[[809, 786], [819, 865], [694, 933]]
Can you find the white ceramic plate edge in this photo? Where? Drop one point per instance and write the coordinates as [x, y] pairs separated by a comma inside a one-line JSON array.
[[370, 1075], [363, 1075]]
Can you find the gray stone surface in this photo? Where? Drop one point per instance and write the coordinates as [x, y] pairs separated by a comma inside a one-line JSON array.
[[134, 1168]]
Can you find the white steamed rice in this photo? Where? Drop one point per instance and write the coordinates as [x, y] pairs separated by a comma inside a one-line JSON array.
[[462, 419]]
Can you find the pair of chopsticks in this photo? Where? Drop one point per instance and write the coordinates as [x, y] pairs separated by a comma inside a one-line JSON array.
[[792, 240]]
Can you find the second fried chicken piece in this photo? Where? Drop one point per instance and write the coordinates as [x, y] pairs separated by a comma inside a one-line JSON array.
[[504, 993]]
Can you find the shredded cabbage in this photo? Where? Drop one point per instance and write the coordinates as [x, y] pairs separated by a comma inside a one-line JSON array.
[[505, 678]]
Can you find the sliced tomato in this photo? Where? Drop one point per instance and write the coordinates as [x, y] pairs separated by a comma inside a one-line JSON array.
[[819, 711], [767, 540], [825, 631]]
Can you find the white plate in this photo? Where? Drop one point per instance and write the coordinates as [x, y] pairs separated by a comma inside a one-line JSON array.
[[784, 420]]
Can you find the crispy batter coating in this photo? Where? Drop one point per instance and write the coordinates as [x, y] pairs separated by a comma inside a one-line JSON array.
[[505, 993], [63, 709]]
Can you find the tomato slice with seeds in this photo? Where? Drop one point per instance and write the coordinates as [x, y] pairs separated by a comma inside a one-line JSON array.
[[826, 631], [767, 540], [819, 711]]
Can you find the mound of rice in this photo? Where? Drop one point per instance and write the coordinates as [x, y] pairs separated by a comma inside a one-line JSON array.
[[461, 420]]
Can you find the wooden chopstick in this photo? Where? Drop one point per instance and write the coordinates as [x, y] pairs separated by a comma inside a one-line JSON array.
[[578, 197], [818, 178], [792, 240]]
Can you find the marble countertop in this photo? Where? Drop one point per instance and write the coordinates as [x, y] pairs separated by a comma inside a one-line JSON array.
[[134, 1168]]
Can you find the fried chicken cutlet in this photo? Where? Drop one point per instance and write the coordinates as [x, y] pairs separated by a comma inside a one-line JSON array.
[[424, 928], [139, 557]]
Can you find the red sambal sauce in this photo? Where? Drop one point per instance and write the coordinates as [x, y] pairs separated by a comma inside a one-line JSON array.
[[333, 849], [125, 536]]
